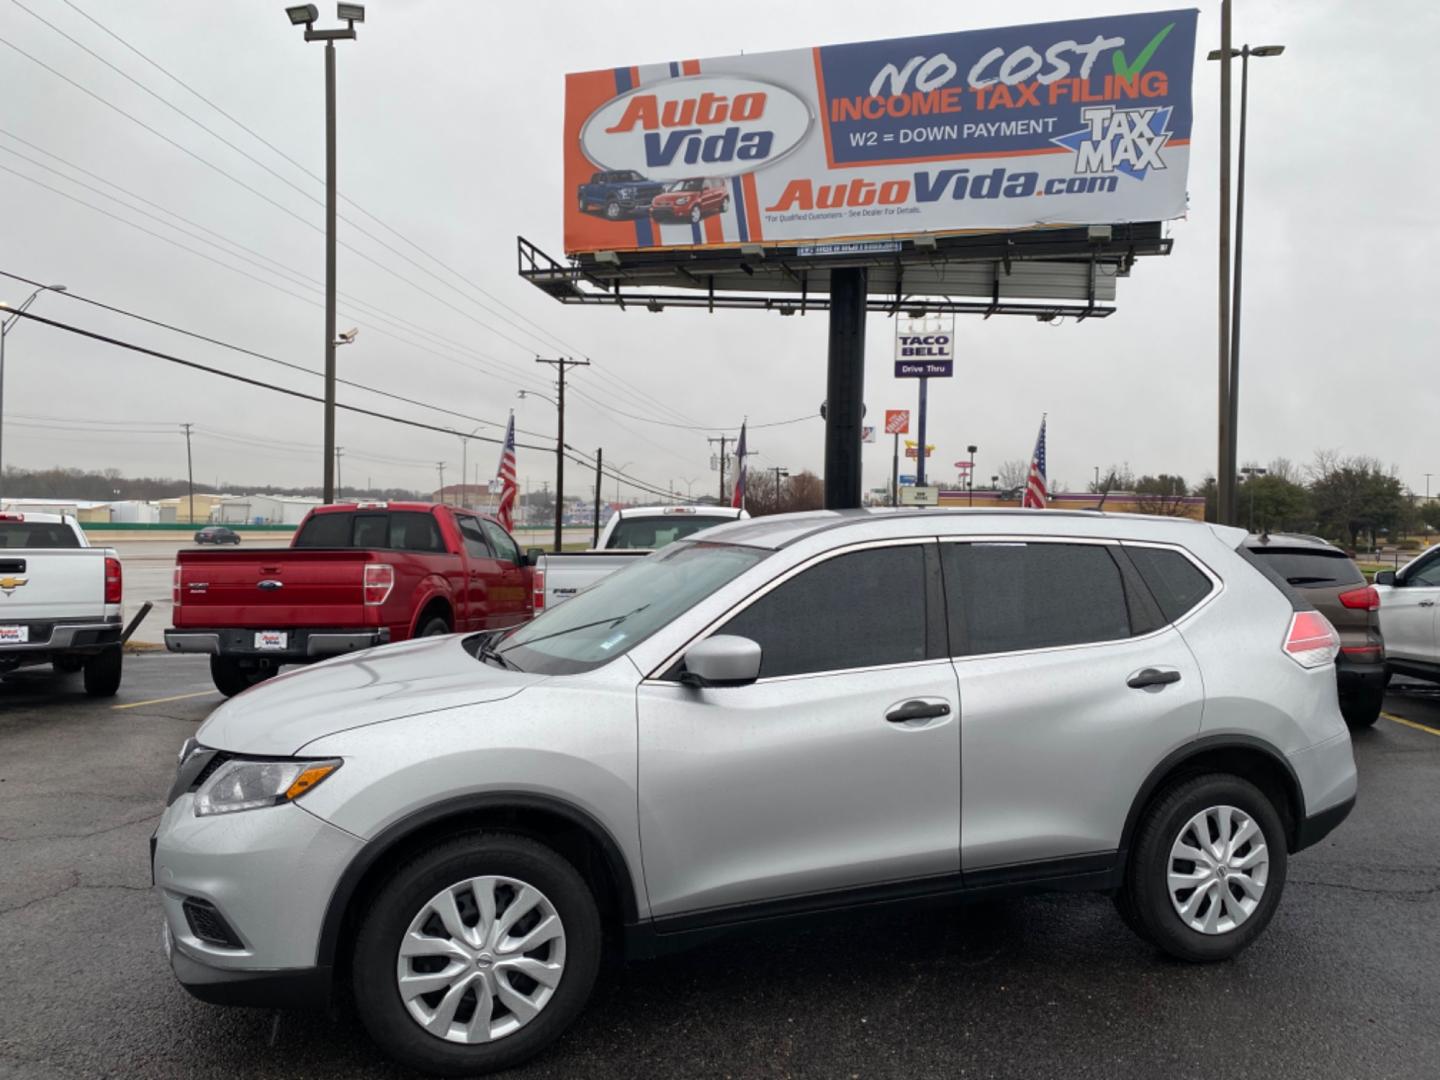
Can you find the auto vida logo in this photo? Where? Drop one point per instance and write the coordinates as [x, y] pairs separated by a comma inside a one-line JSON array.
[[9, 584], [700, 125]]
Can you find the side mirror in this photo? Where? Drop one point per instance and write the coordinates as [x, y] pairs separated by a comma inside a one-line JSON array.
[[1386, 577], [532, 556], [722, 660]]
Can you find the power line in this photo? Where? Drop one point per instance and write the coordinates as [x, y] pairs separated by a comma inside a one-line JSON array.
[[619, 380]]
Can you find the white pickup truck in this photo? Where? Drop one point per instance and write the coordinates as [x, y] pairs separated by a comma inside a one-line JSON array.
[[59, 600], [630, 533]]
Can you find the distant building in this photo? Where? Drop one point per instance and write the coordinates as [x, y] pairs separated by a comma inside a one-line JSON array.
[[475, 496], [263, 509]]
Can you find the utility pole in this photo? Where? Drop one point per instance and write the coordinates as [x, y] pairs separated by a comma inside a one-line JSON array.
[[895, 472], [561, 365], [440, 467], [722, 440], [1225, 470], [595, 529], [339, 484], [190, 470], [779, 474], [970, 474]]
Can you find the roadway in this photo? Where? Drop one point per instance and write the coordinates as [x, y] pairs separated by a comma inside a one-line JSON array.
[[1340, 986]]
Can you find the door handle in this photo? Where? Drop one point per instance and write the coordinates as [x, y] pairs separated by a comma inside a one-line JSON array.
[[917, 710], [1427, 603], [1152, 677]]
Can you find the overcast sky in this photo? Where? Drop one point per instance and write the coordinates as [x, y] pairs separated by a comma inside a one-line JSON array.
[[450, 132]]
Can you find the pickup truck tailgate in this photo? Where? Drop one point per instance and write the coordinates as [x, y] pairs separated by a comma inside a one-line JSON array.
[[272, 588], [38, 583]]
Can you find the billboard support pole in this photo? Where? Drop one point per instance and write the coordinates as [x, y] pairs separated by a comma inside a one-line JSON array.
[[895, 473], [920, 449], [845, 388], [1225, 468]]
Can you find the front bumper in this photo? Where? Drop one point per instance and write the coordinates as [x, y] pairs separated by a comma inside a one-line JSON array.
[[303, 644], [269, 874]]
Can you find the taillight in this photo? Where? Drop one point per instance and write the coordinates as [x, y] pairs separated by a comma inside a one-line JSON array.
[[379, 580], [537, 590], [112, 580], [175, 587], [1366, 599], [1312, 641]]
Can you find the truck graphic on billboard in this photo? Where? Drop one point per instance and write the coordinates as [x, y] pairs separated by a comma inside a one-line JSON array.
[[1085, 121]]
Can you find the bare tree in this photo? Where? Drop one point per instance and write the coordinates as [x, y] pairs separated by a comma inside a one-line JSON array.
[[1163, 495], [1013, 474], [804, 491]]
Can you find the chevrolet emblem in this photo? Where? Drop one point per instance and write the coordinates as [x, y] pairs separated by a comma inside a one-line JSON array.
[[9, 584]]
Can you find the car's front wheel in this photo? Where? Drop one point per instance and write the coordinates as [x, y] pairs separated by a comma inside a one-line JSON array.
[[476, 955], [1207, 868]]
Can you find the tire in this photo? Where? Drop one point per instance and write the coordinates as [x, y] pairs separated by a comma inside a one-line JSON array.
[[102, 672], [1147, 899], [695, 215], [612, 210], [725, 204], [67, 665], [1362, 708], [433, 627], [404, 900], [231, 679]]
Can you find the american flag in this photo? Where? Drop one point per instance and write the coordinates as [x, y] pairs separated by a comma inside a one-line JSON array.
[[1035, 490], [737, 500], [508, 487]]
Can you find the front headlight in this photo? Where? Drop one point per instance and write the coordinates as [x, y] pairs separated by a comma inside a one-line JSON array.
[[248, 785]]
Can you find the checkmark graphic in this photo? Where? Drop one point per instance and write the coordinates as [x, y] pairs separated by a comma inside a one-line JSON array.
[[1127, 70]]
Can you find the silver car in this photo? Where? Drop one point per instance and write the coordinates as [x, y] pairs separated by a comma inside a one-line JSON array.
[[775, 718]]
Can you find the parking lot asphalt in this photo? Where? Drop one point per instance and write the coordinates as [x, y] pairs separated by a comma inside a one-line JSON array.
[[1342, 984]]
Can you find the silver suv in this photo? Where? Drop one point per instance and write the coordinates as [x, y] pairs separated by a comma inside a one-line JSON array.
[[775, 718]]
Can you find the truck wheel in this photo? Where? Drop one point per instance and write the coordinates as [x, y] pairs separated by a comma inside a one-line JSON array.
[[102, 673], [476, 955], [612, 210], [725, 205], [230, 678], [695, 215], [434, 628]]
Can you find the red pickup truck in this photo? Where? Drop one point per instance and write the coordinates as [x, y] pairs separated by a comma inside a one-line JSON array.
[[354, 576]]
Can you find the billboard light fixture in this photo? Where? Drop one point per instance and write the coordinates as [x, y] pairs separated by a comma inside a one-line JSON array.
[[302, 14], [350, 12]]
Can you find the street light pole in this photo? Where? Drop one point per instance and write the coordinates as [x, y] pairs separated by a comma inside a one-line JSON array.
[[306, 14], [970, 473], [1230, 422], [5, 333]]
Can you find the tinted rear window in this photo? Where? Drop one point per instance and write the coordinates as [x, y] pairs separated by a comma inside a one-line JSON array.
[[1006, 597], [27, 534], [405, 530], [1176, 583], [1305, 568], [656, 532]]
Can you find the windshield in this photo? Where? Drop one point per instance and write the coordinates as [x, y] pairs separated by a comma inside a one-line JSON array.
[[1311, 567], [648, 533], [622, 610], [683, 185]]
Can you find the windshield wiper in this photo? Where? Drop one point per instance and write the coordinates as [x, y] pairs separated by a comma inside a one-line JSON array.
[[487, 651], [613, 620]]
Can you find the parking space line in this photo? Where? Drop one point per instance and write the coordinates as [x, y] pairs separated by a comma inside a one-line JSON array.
[[1411, 723], [182, 697]]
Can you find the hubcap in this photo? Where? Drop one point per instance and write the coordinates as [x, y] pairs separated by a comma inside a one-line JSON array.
[[1217, 871], [481, 959]]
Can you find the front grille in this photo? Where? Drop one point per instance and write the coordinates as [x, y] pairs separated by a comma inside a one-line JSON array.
[[207, 924]]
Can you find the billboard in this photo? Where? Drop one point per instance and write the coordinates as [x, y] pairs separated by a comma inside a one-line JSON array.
[[1085, 121]]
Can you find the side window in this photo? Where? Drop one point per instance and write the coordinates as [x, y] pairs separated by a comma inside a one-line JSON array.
[[413, 531], [858, 610], [475, 545], [1004, 597], [1176, 583], [500, 540], [1428, 576]]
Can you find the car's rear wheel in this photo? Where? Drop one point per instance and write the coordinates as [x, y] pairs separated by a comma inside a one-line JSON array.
[[1207, 868], [476, 955], [103, 671], [231, 678], [695, 215], [612, 210], [1361, 708]]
